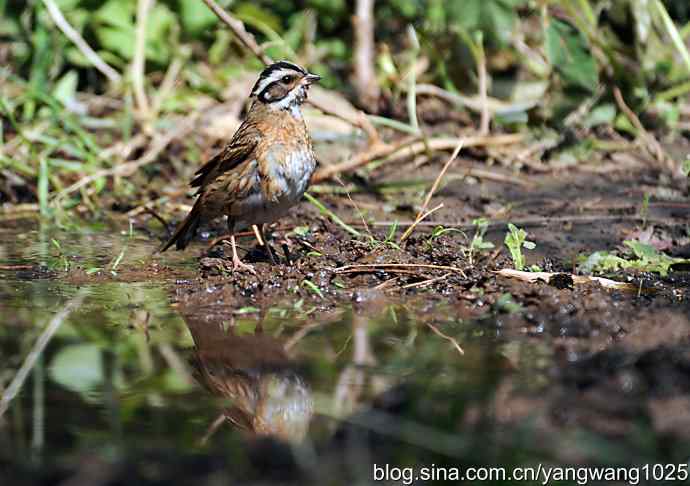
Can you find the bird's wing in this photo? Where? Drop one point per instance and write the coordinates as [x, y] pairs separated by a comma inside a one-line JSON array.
[[233, 154]]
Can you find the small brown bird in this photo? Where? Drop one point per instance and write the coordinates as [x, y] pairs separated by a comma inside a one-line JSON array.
[[266, 395], [265, 168]]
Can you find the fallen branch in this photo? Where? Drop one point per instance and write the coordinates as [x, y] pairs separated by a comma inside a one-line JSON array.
[[410, 148], [559, 278], [374, 267], [424, 283], [69, 31]]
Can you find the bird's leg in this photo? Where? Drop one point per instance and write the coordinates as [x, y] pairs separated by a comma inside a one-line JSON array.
[[237, 264], [266, 245]]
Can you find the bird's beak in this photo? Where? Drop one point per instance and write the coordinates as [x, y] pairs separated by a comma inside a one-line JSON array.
[[310, 79]]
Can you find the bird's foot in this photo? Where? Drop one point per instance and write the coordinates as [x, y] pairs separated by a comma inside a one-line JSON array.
[[239, 266]]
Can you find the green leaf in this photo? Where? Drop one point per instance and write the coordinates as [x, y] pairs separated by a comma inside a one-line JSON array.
[[568, 53], [117, 13], [78, 367], [603, 114], [515, 240], [118, 40], [254, 14], [66, 88], [196, 16]]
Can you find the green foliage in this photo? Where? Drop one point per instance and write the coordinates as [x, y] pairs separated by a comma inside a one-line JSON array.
[[506, 303], [78, 367], [567, 51], [516, 240], [644, 258]]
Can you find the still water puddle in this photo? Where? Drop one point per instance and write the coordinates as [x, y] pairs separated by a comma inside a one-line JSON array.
[[134, 373]]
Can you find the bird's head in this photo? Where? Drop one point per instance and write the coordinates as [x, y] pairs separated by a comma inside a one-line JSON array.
[[283, 85]]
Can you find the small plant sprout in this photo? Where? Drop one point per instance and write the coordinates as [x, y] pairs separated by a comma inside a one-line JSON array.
[[116, 262], [644, 210], [478, 244], [516, 240], [64, 261], [313, 287], [645, 258]]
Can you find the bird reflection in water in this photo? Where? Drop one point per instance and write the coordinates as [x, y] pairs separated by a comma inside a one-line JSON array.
[[267, 395]]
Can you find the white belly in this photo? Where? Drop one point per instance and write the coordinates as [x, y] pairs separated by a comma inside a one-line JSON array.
[[292, 178]]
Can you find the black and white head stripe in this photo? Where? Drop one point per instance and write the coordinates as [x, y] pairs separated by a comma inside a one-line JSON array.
[[274, 73]]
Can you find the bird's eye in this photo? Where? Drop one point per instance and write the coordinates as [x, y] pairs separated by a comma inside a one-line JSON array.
[[287, 79]]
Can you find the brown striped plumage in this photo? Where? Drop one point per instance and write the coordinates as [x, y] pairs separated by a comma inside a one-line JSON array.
[[266, 166]]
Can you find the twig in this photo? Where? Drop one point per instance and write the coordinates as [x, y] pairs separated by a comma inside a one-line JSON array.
[[421, 217], [421, 214], [453, 341], [159, 143], [365, 78], [485, 119], [651, 143], [546, 277], [474, 103], [167, 84], [250, 43], [527, 222], [59, 19], [37, 349], [359, 267], [240, 32], [425, 283], [410, 148], [212, 429], [139, 59]]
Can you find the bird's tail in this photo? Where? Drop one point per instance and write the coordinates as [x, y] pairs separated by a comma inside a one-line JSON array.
[[186, 230]]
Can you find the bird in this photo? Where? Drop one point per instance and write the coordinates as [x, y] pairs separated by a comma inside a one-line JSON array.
[[265, 168], [264, 391]]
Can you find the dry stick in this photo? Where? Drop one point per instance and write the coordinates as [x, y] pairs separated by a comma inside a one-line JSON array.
[[578, 219], [453, 341], [411, 148], [418, 220], [36, 351], [240, 32], [421, 214], [365, 76], [375, 151], [534, 277], [139, 59], [359, 267], [166, 85], [159, 143], [59, 19], [485, 119], [247, 39], [652, 144], [426, 282]]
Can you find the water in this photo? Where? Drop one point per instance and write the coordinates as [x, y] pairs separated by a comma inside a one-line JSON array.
[[155, 379]]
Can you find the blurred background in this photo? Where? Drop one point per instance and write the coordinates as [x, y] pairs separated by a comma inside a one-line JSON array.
[[82, 79]]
